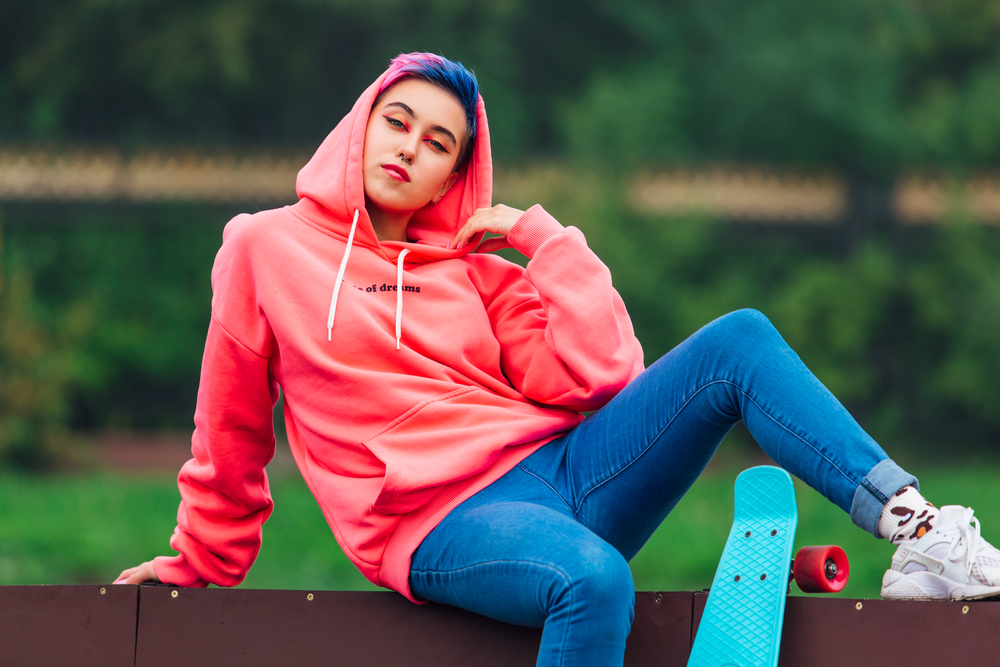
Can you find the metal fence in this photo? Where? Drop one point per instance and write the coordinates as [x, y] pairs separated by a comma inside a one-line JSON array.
[[739, 193]]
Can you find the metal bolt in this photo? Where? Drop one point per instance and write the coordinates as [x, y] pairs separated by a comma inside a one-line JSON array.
[[103, 590], [763, 577], [659, 598], [965, 609], [736, 578], [858, 606], [747, 534], [173, 594], [309, 597], [773, 533]]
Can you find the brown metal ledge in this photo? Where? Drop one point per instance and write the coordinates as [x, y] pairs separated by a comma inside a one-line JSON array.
[[131, 626]]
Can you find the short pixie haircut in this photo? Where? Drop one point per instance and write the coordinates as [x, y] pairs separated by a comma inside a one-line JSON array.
[[449, 75]]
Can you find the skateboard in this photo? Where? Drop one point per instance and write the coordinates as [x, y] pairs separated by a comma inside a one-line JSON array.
[[741, 626]]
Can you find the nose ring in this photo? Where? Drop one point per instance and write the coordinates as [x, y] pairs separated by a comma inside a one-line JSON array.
[[407, 160]]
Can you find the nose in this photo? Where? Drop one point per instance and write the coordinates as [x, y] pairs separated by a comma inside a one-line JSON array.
[[409, 149]]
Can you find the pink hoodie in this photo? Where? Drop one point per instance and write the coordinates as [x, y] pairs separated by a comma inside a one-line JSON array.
[[493, 361]]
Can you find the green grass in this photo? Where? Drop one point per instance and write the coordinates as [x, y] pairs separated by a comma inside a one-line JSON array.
[[87, 528]]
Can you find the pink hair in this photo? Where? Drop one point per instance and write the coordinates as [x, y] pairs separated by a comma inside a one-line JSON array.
[[408, 64]]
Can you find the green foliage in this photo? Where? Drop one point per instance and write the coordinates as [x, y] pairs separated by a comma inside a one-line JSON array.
[[865, 86], [832, 312], [869, 86], [903, 333], [902, 330], [955, 306], [109, 303], [629, 118], [276, 71], [138, 283], [33, 380]]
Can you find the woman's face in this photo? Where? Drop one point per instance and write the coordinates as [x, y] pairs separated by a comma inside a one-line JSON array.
[[414, 136]]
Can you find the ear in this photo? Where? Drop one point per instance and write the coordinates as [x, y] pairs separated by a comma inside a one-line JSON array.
[[448, 182]]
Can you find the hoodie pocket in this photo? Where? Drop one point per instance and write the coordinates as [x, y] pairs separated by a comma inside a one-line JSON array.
[[451, 437]]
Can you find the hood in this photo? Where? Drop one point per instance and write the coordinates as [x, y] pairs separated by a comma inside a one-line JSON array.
[[331, 189]]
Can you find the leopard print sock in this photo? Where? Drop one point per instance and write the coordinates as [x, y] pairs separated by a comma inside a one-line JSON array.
[[906, 517]]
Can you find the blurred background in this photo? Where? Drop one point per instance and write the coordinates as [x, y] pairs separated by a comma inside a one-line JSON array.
[[832, 164]]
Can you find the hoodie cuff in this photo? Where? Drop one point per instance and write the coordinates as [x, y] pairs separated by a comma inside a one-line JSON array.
[[176, 570], [532, 229]]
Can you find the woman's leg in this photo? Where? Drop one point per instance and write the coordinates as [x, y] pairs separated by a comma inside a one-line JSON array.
[[515, 553], [626, 466], [547, 544]]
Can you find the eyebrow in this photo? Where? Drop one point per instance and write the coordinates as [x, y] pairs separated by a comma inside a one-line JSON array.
[[407, 109]]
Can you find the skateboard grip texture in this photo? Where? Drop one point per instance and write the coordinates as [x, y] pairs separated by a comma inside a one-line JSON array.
[[741, 625]]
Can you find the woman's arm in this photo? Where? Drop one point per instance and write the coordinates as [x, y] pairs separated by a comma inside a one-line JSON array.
[[224, 492], [565, 335]]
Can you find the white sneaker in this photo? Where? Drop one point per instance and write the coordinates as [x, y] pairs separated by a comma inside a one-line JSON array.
[[951, 562]]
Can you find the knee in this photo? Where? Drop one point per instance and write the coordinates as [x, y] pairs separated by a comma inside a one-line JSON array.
[[743, 328], [599, 578], [746, 322]]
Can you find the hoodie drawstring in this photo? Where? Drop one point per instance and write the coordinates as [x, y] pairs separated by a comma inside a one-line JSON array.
[[340, 277], [399, 296]]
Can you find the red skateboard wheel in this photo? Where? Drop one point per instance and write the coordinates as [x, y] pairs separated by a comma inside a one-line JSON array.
[[821, 569]]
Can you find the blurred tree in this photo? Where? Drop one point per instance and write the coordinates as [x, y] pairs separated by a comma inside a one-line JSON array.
[[950, 344], [869, 87], [606, 88], [144, 279], [906, 338], [276, 71], [34, 380]]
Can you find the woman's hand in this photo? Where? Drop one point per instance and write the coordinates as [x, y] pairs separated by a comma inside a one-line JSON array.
[[497, 220], [138, 575]]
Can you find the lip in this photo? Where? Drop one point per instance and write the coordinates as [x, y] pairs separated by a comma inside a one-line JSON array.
[[396, 172]]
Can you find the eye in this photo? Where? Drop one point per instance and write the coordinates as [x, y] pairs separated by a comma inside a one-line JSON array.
[[437, 145], [395, 122]]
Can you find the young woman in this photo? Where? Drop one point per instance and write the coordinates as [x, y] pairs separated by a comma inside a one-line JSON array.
[[433, 394]]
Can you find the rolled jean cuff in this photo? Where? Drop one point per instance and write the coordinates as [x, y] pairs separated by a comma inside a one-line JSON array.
[[881, 482]]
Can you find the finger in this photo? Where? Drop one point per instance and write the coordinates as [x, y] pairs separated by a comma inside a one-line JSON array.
[[138, 575], [146, 573], [470, 229], [457, 238], [139, 578], [498, 219], [126, 574]]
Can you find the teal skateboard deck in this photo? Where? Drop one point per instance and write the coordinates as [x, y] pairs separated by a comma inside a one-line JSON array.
[[741, 626]]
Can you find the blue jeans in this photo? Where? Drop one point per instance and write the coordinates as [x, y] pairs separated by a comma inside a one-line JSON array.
[[548, 544]]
